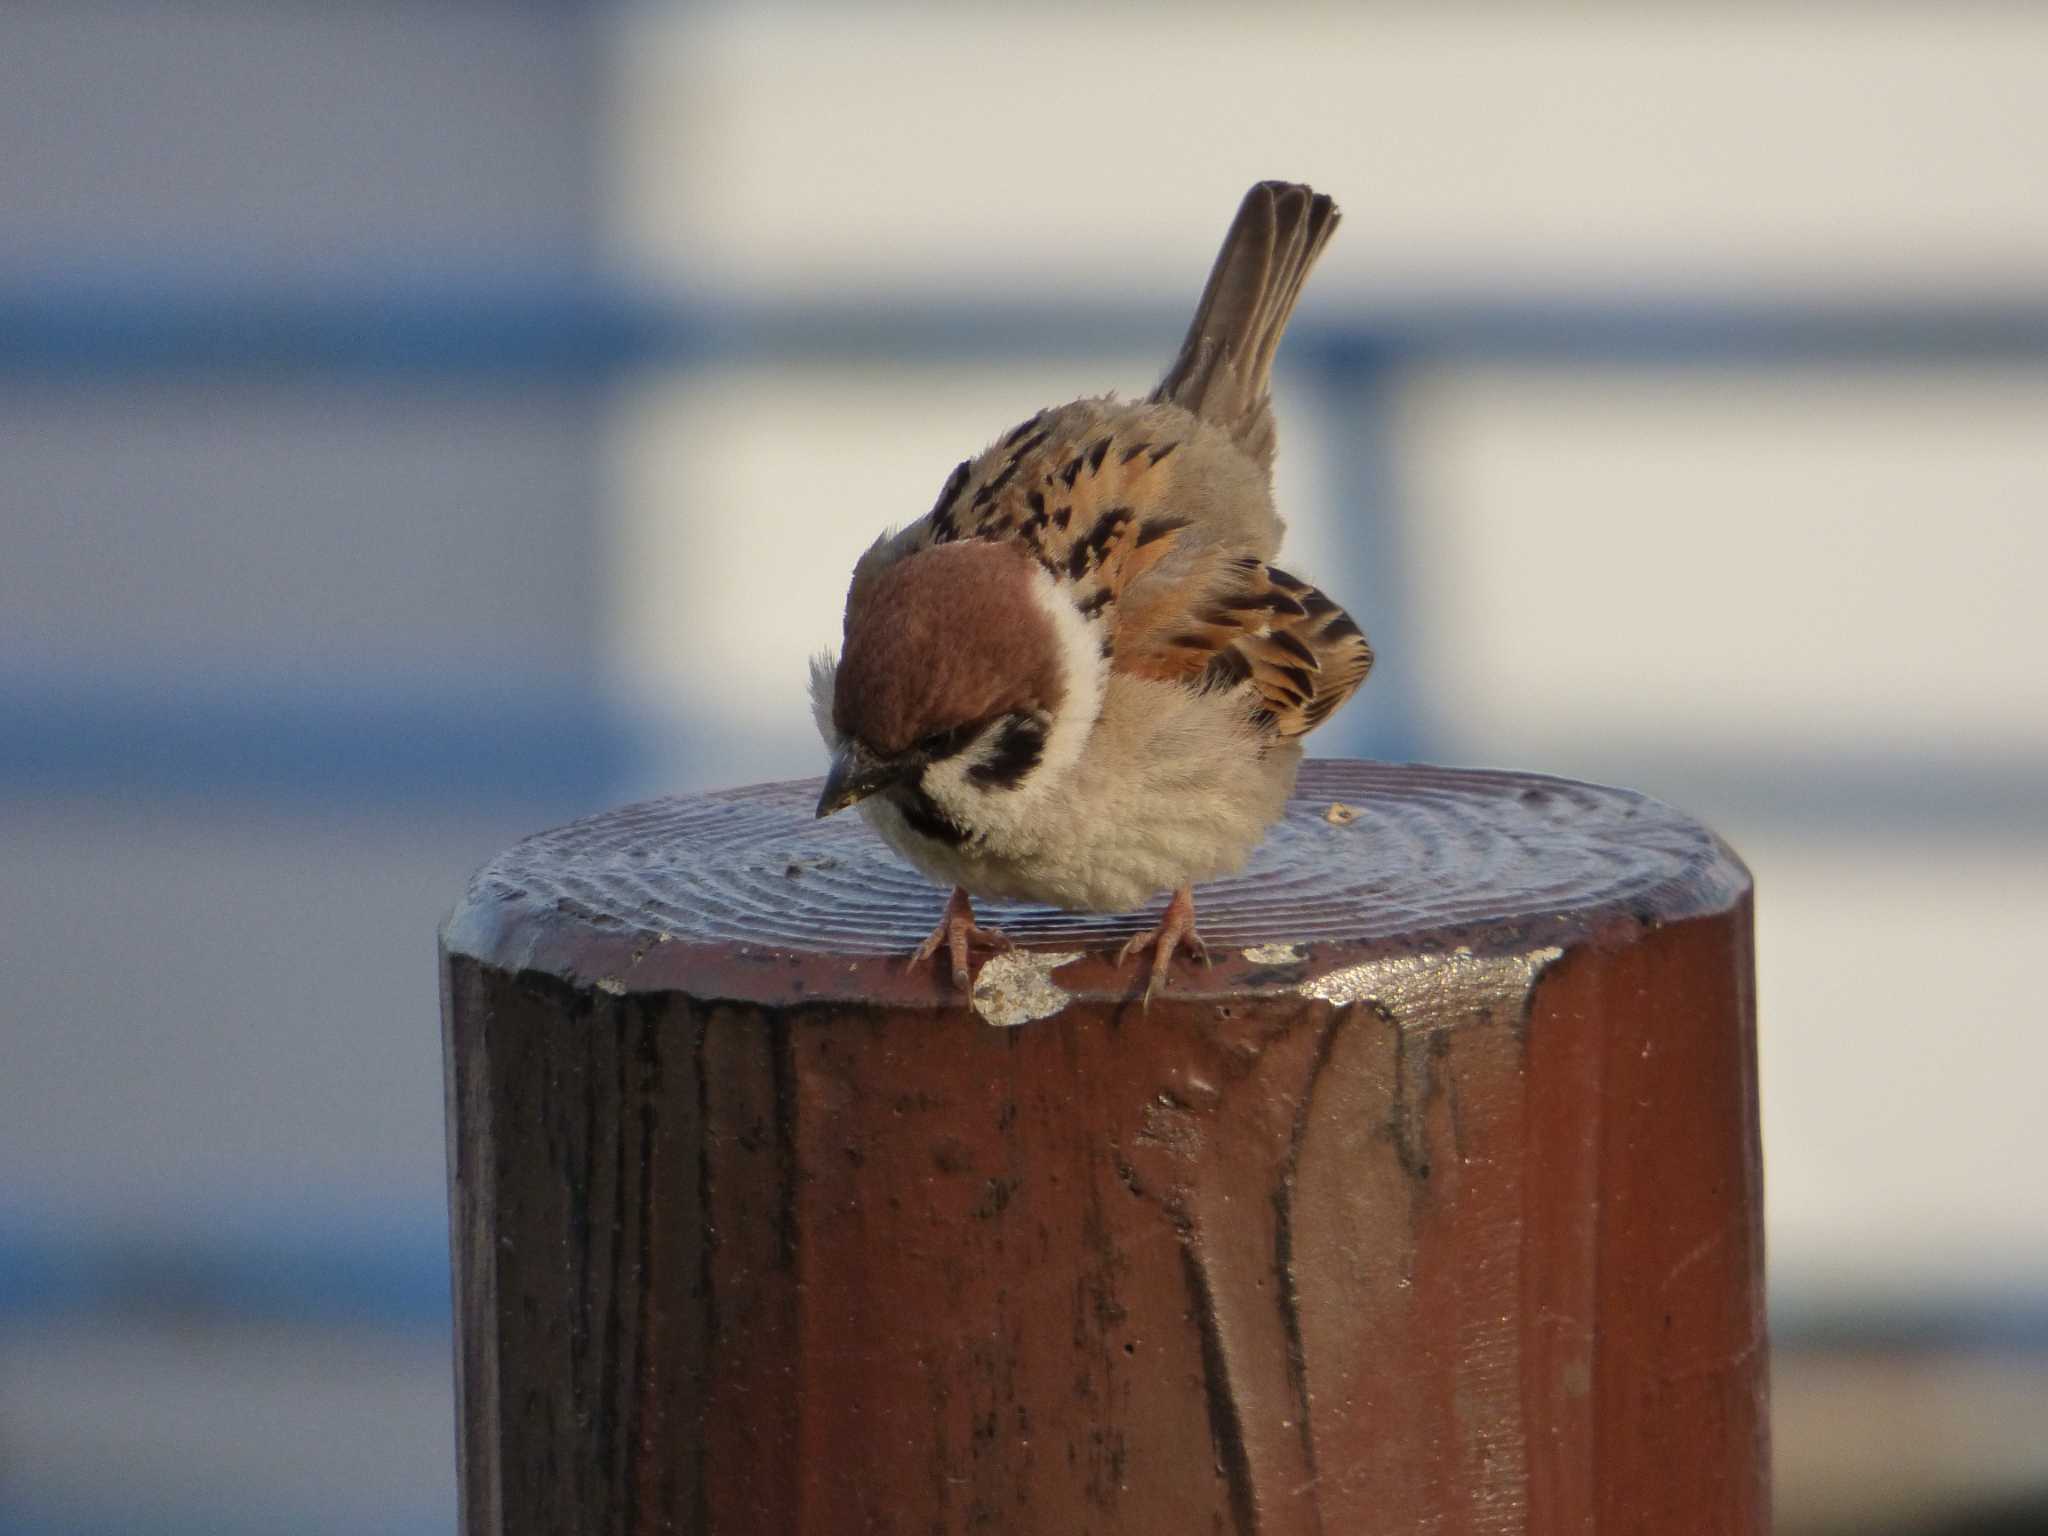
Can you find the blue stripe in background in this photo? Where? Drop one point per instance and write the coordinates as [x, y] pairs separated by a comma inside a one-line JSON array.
[[386, 1271], [355, 747], [327, 745], [389, 1271], [557, 325], [218, 1523]]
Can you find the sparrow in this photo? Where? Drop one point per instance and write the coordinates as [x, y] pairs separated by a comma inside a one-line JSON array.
[[1080, 679]]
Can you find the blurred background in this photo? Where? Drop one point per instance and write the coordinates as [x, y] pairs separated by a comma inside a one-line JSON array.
[[399, 398]]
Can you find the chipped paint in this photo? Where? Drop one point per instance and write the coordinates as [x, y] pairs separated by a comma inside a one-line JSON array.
[[1410, 986], [1340, 815], [1274, 954], [1016, 986]]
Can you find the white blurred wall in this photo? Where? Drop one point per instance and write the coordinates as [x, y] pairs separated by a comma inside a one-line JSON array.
[[1805, 147]]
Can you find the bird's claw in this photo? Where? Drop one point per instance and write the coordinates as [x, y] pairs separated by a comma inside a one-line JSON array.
[[1176, 930], [957, 930]]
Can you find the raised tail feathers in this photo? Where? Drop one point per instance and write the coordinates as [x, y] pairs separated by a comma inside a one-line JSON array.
[[1225, 366]]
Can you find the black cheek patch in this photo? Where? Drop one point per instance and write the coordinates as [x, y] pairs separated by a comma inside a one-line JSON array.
[[1018, 750]]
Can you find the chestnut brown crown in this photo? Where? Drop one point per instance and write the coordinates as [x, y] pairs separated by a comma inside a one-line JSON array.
[[944, 638]]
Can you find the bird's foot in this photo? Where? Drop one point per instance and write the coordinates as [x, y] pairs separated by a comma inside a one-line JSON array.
[[957, 931], [1176, 930]]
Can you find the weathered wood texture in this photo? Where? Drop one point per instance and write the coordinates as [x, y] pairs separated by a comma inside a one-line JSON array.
[[1434, 1206]]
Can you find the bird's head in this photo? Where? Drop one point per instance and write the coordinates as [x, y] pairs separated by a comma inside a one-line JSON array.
[[952, 675]]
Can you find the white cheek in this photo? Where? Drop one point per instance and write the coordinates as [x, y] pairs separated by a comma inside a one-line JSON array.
[[1085, 673], [950, 787]]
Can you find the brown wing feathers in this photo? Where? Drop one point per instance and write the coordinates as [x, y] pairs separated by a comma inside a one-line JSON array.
[[1306, 665], [1225, 366], [1298, 652]]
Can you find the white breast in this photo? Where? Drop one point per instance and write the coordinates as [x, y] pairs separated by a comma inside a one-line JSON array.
[[1173, 788]]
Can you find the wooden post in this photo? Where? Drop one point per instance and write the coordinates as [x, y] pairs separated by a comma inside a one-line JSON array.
[[1434, 1206]]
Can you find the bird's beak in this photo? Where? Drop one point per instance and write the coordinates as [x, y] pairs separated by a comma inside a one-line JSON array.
[[856, 774]]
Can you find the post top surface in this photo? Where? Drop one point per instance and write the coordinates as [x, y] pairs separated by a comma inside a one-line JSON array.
[[742, 894]]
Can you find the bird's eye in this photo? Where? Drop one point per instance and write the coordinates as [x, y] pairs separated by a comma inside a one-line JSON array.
[[941, 744]]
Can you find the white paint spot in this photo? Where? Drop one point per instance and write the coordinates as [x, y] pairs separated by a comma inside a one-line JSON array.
[[611, 984], [1274, 954], [1016, 986], [1408, 985]]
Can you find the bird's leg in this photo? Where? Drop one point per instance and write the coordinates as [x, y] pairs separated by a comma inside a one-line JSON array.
[[1176, 929], [956, 931]]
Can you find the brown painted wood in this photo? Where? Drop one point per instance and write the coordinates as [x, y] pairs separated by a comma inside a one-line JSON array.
[[1434, 1206]]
